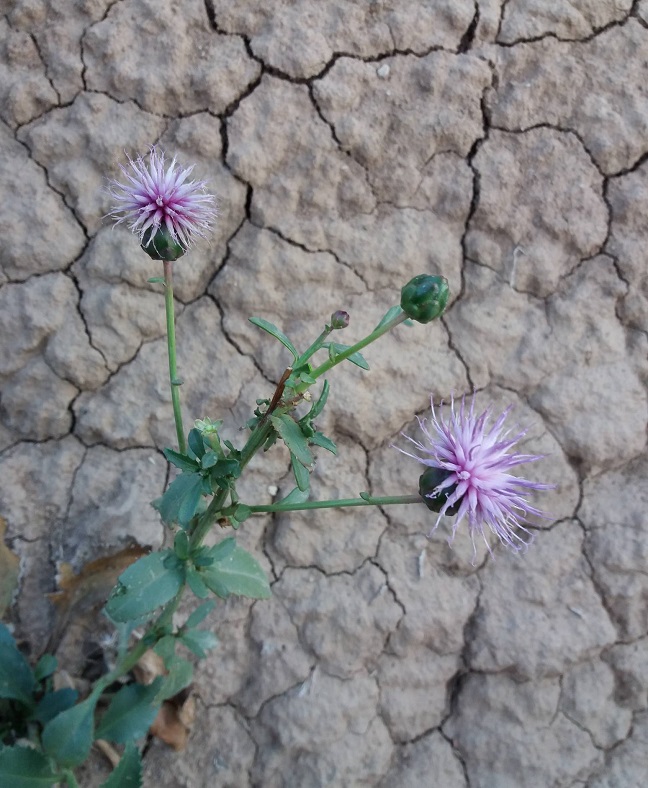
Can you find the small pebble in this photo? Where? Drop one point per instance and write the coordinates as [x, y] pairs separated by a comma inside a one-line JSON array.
[[383, 71]]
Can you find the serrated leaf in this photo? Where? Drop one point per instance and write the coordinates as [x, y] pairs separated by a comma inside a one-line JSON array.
[[302, 477], [200, 614], [222, 550], [276, 333], [293, 437], [180, 501], [128, 772], [239, 573], [68, 737], [319, 439], [52, 704], [131, 712], [16, 678], [355, 358], [199, 641], [181, 461], [144, 586], [23, 767], [45, 666]]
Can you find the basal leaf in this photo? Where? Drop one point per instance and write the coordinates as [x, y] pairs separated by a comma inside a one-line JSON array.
[[293, 437], [68, 737], [23, 767], [276, 333], [144, 586], [54, 703], [45, 666], [16, 677], [131, 712], [128, 772]]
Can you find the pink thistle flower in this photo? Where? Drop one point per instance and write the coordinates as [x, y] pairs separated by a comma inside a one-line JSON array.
[[471, 476], [153, 200]]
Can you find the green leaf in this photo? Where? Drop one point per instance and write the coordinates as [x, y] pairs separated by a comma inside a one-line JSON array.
[[131, 712], [319, 439], [181, 545], [222, 550], [242, 512], [306, 378], [355, 358], [199, 641], [128, 772], [239, 573], [293, 437], [200, 614], [389, 315], [22, 767], [16, 677], [165, 648], [276, 333], [180, 501], [196, 583], [54, 703], [196, 443], [154, 280], [318, 406], [227, 467], [181, 461], [45, 666], [144, 586], [302, 477], [68, 737], [295, 496], [179, 676]]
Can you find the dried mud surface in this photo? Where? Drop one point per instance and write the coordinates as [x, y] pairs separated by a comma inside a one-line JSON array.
[[501, 143]]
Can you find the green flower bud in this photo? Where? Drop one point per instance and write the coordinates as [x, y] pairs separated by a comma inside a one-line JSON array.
[[428, 482], [161, 245], [425, 297], [340, 319]]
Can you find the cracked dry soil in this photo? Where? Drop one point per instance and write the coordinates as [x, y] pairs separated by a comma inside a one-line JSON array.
[[501, 143]]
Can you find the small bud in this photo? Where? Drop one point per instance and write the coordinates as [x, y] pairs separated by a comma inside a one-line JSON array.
[[428, 482], [425, 297], [340, 319], [160, 245]]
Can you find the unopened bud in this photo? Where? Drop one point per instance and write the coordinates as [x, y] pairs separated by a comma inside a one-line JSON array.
[[425, 297], [340, 319], [161, 245], [428, 483]]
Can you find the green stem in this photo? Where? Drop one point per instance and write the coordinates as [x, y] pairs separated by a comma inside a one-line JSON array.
[[317, 344], [171, 344], [384, 500], [70, 779], [375, 334]]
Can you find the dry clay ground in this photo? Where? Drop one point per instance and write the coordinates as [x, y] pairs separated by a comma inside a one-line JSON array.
[[503, 144]]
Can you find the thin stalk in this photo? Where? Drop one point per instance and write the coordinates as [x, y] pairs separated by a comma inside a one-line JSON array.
[[385, 500], [317, 344], [378, 332], [171, 344]]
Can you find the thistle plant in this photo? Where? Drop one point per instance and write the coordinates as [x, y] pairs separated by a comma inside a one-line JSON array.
[[49, 732]]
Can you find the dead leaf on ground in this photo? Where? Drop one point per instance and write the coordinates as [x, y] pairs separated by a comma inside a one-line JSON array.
[[175, 720]]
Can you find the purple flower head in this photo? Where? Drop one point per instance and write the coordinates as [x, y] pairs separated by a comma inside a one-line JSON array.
[[471, 477], [152, 200]]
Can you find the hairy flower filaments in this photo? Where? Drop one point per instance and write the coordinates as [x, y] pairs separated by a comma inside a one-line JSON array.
[[161, 206], [471, 474]]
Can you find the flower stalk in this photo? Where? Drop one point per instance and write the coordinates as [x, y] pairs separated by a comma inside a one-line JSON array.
[[171, 346], [384, 500]]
